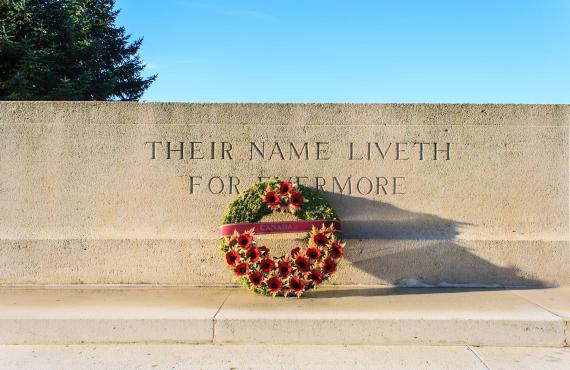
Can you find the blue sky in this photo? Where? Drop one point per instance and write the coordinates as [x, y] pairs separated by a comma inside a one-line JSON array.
[[440, 51]]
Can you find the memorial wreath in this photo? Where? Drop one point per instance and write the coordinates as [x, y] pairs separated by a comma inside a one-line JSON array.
[[303, 267]]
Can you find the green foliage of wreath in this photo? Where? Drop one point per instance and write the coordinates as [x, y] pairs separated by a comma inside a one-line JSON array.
[[250, 207]]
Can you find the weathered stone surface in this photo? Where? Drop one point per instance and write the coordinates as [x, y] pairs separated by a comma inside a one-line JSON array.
[[181, 261], [388, 316], [83, 201], [267, 357], [331, 315], [524, 358], [110, 315], [556, 301]]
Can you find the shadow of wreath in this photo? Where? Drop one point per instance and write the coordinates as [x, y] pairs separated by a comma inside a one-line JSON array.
[[403, 248]]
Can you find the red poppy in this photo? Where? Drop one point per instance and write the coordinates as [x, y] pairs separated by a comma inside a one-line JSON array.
[[284, 268], [313, 253], [316, 276], [255, 278], [232, 257], [303, 263], [264, 250], [233, 239], [285, 188], [274, 284], [266, 265], [245, 239], [295, 251], [336, 250], [320, 239], [241, 269], [296, 284], [252, 254], [329, 266], [296, 200], [272, 198]]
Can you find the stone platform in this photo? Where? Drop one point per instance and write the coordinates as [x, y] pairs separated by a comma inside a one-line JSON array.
[[110, 214], [330, 316]]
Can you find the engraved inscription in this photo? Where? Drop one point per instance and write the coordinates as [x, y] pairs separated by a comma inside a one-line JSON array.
[[372, 152]]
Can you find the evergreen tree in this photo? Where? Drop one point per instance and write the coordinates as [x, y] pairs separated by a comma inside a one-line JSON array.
[[67, 50]]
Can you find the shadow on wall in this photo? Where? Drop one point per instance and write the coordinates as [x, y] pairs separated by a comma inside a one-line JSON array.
[[407, 248]]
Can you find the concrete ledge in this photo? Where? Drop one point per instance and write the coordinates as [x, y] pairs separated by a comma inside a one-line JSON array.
[[556, 301], [329, 316], [390, 316], [93, 315]]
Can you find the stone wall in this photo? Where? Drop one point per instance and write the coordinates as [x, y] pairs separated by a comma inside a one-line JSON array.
[[436, 194]]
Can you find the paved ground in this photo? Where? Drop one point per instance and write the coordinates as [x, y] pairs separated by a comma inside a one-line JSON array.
[[207, 356]]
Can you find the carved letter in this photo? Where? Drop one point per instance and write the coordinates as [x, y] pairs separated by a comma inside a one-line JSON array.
[[221, 185], [399, 150], [447, 151], [324, 151], [382, 154], [195, 150], [378, 185], [226, 151], [351, 156], [276, 150], [261, 151], [318, 185], [369, 185], [341, 188], [396, 185], [297, 153], [299, 179], [421, 150], [168, 150], [191, 183], [233, 186], [153, 143]]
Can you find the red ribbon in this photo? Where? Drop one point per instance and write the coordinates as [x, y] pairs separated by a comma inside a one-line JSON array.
[[277, 227]]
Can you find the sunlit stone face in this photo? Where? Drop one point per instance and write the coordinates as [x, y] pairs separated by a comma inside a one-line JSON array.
[[134, 193]]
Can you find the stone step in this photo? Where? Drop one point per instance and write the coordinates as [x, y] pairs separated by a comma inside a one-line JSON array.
[[255, 356], [331, 315]]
